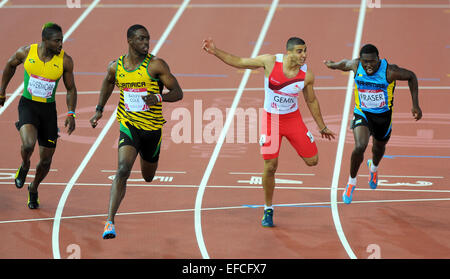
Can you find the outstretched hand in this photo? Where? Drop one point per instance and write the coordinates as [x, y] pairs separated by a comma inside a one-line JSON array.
[[209, 46], [328, 63], [327, 133]]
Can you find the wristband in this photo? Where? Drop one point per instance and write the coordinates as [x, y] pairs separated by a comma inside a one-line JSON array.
[[2, 97], [159, 97], [99, 108], [321, 131], [72, 113]]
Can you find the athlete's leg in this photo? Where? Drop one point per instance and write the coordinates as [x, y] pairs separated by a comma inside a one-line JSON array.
[[268, 179], [28, 135], [311, 161], [361, 135], [127, 156], [43, 167], [148, 170], [149, 153], [378, 149]]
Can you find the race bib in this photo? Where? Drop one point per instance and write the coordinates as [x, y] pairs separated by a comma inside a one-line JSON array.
[[372, 98], [133, 99], [41, 87]]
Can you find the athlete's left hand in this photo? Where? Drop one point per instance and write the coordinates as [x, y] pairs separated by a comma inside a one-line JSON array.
[[2, 98], [70, 121], [417, 113], [150, 99], [327, 133]]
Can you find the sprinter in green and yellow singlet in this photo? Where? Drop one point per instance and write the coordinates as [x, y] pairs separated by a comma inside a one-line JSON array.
[[140, 77], [45, 63]]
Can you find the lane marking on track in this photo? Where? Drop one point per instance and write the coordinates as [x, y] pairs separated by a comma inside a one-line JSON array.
[[260, 173], [342, 136], [308, 204], [220, 141], [71, 183], [66, 36], [174, 186], [236, 5], [136, 171]]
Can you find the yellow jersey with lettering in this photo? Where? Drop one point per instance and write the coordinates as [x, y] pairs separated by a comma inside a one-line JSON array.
[[41, 79], [133, 85]]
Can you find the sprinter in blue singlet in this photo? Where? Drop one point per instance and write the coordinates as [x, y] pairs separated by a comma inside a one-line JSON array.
[[374, 97]]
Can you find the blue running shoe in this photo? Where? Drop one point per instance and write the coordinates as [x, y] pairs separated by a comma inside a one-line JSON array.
[[109, 230], [347, 196], [267, 220], [373, 180]]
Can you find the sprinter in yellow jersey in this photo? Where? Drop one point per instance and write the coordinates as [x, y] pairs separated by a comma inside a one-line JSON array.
[[140, 78], [45, 63]]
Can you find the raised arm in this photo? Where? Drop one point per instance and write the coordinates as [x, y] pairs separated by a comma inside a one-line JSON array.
[[10, 68], [396, 73], [105, 92], [343, 65], [71, 98], [313, 105], [236, 61]]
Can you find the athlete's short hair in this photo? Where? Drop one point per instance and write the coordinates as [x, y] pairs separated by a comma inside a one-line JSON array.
[[49, 29], [133, 29], [294, 41], [368, 48]]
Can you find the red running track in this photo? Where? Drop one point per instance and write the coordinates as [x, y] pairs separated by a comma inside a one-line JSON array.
[[405, 218]]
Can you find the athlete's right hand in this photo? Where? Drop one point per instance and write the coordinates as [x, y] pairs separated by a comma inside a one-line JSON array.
[[2, 97], [328, 63], [94, 120], [209, 46]]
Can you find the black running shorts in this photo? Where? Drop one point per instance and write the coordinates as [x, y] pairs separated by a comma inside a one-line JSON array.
[[147, 143], [379, 124], [43, 116]]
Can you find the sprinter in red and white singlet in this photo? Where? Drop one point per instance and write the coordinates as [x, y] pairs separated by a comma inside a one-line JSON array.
[[286, 75]]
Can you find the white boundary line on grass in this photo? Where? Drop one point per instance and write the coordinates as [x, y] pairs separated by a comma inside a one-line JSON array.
[[81, 167]]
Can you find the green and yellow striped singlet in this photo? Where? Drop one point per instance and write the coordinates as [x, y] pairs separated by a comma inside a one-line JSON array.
[[133, 85]]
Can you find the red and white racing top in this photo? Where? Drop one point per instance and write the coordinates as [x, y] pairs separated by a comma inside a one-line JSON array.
[[281, 93]]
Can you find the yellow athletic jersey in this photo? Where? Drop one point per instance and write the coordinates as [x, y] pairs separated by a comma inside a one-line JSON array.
[[133, 85], [41, 79]]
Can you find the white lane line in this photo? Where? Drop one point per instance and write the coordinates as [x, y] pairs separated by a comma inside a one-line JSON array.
[[403, 176], [66, 36], [174, 186], [234, 5], [218, 208], [220, 141], [342, 133], [136, 171], [260, 173], [64, 196]]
